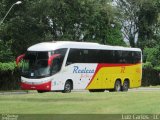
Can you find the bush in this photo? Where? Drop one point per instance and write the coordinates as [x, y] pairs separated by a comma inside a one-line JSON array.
[[10, 76], [7, 66], [147, 65], [151, 69], [151, 76], [157, 68], [152, 55]]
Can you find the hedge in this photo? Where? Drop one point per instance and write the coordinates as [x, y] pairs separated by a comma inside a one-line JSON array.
[[10, 66], [151, 74], [10, 76], [150, 77], [10, 80]]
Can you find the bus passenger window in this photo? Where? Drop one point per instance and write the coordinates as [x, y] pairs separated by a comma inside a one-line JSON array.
[[74, 56]]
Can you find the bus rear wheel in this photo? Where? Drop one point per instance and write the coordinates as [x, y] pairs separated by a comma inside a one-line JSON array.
[[125, 86], [67, 87], [117, 86]]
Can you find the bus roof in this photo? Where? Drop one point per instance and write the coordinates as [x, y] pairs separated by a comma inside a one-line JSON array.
[[50, 46]]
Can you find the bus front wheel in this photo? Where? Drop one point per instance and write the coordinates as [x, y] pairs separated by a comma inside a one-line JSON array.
[[67, 87]]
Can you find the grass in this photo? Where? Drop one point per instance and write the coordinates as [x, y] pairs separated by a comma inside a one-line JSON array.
[[81, 103]]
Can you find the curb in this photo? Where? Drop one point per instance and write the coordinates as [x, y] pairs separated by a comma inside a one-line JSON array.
[[11, 93]]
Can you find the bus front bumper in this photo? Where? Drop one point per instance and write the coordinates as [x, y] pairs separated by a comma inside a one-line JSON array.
[[44, 86]]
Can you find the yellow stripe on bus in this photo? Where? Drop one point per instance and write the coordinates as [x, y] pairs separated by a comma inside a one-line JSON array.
[[106, 76]]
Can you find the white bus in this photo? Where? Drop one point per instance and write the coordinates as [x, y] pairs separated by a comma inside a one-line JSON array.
[[65, 66]]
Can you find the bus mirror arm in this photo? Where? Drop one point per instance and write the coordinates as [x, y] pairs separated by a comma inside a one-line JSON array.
[[52, 58], [19, 58]]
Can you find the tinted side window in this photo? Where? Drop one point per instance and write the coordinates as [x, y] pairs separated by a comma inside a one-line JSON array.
[[118, 56], [82, 56], [102, 56], [127, 57], [137, 57], [92, 56], [74, 56], [106, 56], [62, 52]]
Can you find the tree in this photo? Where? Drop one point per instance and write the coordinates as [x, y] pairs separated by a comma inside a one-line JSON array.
[[135, 18], [148, 23], [127, 16], [152, 55], [20, 28], [82, 20], [37, 21]]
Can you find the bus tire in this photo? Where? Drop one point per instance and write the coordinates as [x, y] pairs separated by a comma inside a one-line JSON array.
[[125, 86], [117, 86], [96, 90], [67, 87]]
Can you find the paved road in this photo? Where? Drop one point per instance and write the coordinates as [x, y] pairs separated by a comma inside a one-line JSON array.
[[9, 93], [145, 89], [130, 90]]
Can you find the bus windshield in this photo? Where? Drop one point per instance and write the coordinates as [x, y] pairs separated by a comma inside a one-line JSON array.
[[35, 65]]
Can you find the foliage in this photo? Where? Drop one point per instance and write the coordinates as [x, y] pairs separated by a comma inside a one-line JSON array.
[[147, 65], [5, 52], [152, 55], [139, 20], [77, 20], [10, 76], [149, 23], [157, 68], [127, 16], [150, 76], [10, 79], [7, 66]]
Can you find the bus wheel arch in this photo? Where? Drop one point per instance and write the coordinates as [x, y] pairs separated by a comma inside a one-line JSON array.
[[126, 85], [68, 86]]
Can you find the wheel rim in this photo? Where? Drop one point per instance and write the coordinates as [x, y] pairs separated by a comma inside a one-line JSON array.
[[67, 87], [125, 86], [118, 86]]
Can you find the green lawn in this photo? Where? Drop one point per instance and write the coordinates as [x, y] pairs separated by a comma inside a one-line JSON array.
[[81, 103]]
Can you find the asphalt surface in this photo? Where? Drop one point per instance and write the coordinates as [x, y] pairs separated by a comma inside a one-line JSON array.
[[145, 89], [130, 90]]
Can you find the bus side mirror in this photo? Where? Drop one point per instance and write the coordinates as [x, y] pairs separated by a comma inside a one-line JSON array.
[[51, 58], [19, 58]]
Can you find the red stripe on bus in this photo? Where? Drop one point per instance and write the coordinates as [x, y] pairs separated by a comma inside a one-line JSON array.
[[44, 86]]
